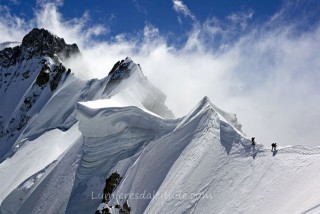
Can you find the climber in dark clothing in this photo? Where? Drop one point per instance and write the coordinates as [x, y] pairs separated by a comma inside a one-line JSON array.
[[253, 142], [273, 147]]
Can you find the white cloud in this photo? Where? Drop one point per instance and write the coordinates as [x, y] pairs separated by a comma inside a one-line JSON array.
[[12, 27], [268, 76], [240, 18], [150, 31], [180, 7]]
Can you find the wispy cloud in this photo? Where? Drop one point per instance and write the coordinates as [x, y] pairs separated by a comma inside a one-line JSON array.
[[180, 7], [12, 27], [241, 18], [268, 75]]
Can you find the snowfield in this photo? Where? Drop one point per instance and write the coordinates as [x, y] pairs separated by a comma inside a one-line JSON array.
[[61, 138]]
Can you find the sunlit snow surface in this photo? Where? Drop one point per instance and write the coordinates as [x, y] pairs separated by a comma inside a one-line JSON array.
[[37, 155], [34, 156], [203, 165]]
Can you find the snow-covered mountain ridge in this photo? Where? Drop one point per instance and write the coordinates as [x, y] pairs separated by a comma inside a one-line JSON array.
[[39, 95], [66, 142], [204, 164], [29, 75]]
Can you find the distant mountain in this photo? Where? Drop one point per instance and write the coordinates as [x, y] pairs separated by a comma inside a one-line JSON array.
[[111, 145]]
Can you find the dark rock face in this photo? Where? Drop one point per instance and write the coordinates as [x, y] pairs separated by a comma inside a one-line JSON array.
[[111, 184], [43, 77], [54, 76], [39, 42], [125, 209], [44, 43], [9, 56], [116, 66], [58, 72], [119, 72]]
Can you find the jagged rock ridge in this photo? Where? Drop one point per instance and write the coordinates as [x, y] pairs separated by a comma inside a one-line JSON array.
[[37, 43]]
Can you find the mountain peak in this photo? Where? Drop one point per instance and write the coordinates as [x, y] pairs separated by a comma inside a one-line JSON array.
[[204, 105], [38, 43], [43, 42], [122, 70], [204, 102]]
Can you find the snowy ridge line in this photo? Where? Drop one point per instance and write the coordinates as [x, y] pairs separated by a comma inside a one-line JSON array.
[[205, 103], [241, 145], [296, 149], [166, 152], [173, 161], [209, 120]]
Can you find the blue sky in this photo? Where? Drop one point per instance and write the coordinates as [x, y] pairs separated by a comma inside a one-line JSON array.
[[256, 58], [174, 19], [131, 15]]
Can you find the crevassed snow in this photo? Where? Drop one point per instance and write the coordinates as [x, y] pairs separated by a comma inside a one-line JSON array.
[[34, 156]]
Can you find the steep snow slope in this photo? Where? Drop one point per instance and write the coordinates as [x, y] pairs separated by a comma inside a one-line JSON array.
[[110, 135], [33, 157], [158, 159], [29, 109], [203, 165], [39, 96], [52, 193]]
